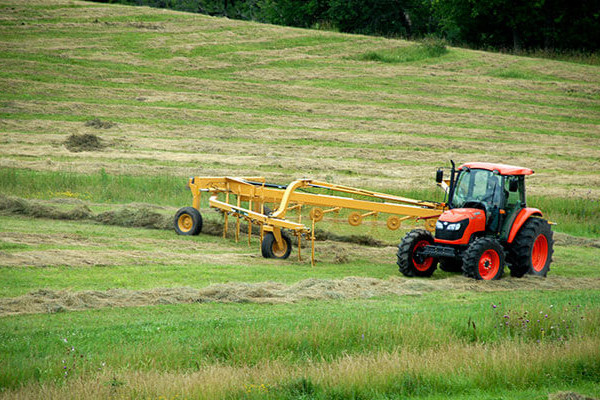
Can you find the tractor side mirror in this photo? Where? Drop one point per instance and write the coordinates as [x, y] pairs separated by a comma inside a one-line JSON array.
[[513, 185], [439, 176]]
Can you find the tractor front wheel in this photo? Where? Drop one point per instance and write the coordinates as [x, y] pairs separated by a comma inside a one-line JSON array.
[[410, 262], [484, 259], [270, 249], [531, 251], [187, 221]]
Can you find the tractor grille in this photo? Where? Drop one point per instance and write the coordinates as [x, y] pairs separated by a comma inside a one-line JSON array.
[[445, 234]]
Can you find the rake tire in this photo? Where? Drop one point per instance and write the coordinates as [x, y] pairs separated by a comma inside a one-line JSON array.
[[269, 250], [187, 221]]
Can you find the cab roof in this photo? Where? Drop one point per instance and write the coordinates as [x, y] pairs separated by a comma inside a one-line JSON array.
[[503, 169]]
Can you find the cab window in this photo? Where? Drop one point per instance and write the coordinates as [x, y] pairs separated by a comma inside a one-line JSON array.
[[513, 198]]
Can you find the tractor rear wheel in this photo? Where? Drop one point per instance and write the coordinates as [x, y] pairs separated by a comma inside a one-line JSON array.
[[451, 264], [270, 249], [531, 251], [187, 221], [410, 263], [484, 259]]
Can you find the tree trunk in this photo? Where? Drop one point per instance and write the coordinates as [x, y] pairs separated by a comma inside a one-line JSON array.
[[516, 40]]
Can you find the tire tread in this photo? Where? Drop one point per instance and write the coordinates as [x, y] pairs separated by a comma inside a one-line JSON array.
[[520, 250], [471, 256], [404, 254]]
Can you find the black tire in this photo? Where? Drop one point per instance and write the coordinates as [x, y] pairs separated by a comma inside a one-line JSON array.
[[269, 248], [406, 254], [187, 221], [484, 259], [532, 249], [451, 264]]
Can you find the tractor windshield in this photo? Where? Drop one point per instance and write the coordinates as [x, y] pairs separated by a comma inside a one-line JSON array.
[[477, 186]]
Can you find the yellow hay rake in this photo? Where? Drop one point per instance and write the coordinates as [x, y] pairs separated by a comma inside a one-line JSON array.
[[245, 199]]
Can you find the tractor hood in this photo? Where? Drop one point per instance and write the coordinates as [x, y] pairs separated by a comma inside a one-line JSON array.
[[457, 225], [459, 214]]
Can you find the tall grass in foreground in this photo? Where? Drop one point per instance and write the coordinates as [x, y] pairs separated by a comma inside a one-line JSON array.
[[577, 216], [188, 338], [451, 369]]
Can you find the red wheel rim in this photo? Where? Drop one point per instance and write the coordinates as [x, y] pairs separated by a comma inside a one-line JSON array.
[[426, 264], [539, 253], [489, 263]]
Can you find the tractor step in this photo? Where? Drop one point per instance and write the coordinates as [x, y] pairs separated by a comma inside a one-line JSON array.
[[438, 251]]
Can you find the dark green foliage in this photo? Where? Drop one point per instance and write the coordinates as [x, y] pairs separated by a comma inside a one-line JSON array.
[[385, 17], [548, 24], [299, 13]]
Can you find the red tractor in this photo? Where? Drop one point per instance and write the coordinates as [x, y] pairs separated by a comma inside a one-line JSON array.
[[486, 226]]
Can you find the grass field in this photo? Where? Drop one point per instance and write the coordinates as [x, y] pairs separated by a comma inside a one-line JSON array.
[[99, 299]]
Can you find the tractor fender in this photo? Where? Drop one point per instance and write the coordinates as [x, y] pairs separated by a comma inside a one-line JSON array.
[[523, 216]]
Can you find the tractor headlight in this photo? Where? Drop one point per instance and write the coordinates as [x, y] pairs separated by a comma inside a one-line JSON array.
[[453, 227], [439, 225]]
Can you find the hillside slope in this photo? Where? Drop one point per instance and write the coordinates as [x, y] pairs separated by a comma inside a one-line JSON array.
[[192, 94]]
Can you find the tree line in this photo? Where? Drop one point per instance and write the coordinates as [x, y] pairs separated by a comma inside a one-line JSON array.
[[490, 24]]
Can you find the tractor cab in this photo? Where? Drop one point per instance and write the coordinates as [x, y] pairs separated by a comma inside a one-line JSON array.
[[486, 225], [489, 195]]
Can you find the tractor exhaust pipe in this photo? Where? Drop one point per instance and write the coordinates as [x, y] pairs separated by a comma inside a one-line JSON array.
[[452, 181]]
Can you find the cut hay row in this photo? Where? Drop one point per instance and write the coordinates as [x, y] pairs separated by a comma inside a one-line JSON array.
[[54, 301]]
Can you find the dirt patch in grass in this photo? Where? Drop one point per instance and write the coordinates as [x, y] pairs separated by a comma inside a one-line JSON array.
[[85, 142], [51, 301], [98, 256], [569, 396], [36, 239], [67, 258], [100, 124]]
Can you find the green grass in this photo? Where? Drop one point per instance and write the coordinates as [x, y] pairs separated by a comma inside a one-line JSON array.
[[184, 337], [98, 187], [427, 49]]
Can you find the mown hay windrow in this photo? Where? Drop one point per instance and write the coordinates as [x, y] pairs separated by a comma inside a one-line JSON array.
[[85, 142], [18, 206], [562, 239], [135, 217], [100, 124], [51, 301], [144, 216]]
